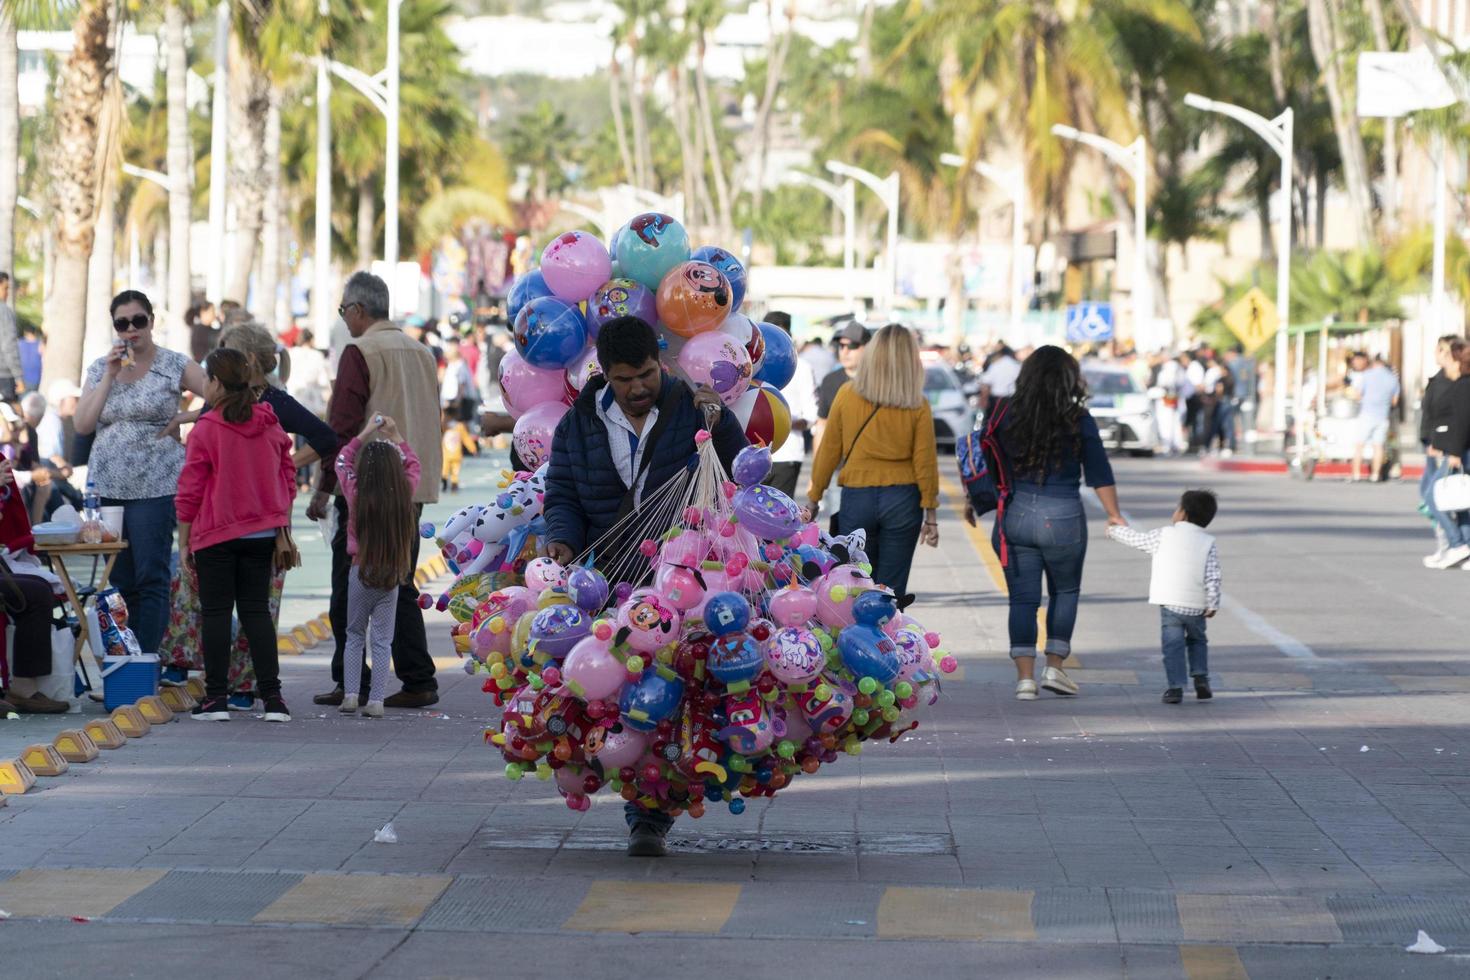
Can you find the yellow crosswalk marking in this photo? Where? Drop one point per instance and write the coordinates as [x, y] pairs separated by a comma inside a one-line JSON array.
[[1212, 963], [955, 913], [649, 906], [357, 900], [89, 892]]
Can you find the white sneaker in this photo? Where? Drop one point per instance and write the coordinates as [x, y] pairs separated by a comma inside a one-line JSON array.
[[349, 704], [1453, 557], [373, 709], [1432, 561], [1026, 690], [1055, 680]]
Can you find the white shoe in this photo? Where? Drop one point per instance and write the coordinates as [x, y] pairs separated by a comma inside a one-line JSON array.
[[1453, 557], [349, 704], [373, 709], [1432, 561], [1026, 690], [1055, 680]]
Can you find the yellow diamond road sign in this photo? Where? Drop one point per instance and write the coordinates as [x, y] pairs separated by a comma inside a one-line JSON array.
[[1253, 319]]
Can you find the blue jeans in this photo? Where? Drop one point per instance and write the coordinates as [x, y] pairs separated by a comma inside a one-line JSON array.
[[1456, 526], [143, 569], [1047, 537], [892, 518], [1184, 637], [656, 819]]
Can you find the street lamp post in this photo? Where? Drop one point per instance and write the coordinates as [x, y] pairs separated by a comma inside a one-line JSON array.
[[1134, 159], [845, 197], [887, 190], [322, 307], [1013, 182], [1278, 136], [219, 132]]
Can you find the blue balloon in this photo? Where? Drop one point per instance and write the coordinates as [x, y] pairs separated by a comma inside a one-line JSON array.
[[650, 246], [649, 700], [868, 652], [735, 657], [779, 365], [549, 332], [528, 287], [726, 612], [730, 266], [874, 607]]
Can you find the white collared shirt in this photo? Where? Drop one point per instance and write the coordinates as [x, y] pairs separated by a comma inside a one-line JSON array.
[[624, 441]]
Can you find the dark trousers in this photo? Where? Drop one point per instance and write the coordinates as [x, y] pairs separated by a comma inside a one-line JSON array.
[[1222, 426], [144, 569], [784, 476], [1046, 539], [1186, 646], [411, 660], [892, 518], [657, 819], [235, 576], [31, 654]]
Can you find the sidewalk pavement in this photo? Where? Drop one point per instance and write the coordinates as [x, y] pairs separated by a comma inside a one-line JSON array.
[[1306, 822]]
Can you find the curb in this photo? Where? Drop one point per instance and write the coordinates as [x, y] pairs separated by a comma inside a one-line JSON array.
[[1280, 467]]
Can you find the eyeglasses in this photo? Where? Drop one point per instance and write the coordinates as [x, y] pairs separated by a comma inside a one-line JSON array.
[[342, 310], [847, 345], [138, 321]]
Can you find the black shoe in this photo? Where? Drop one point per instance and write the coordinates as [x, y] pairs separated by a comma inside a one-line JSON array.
[[332, 697], [410, 699], [212, 709], [646, 841], [276, 710], [1173, 695], [1202, 690]]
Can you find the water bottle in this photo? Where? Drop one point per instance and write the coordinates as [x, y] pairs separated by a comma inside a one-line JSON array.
[[91, 515]]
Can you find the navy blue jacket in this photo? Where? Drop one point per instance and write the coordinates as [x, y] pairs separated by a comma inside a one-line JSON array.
[[584, 492]]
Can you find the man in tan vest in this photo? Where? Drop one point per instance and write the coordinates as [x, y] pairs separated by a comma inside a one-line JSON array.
[[382, 371]]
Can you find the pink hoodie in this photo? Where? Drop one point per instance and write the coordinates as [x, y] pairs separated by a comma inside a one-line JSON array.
[[347, 477], [237, 479]]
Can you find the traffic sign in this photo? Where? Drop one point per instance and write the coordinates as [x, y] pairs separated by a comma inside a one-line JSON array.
[[1089, 323], [1253, 319]]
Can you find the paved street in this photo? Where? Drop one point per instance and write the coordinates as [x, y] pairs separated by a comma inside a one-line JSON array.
[[1305, 823]]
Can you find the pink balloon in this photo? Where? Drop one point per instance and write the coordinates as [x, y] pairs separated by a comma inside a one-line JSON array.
[[534, 430], [835, 592], [543, 574], [525, 386], [718, 360], [795, 656], [685, 548], [592, 666], [569, 781], [582, 369], [794, 605], [623, 747], [574, 265], [651, 619], [679, 586]]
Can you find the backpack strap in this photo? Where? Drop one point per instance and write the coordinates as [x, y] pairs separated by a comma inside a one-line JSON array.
[[995, 460]]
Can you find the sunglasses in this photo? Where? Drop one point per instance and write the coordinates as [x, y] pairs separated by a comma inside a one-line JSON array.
[[847, 345], [138, 321]]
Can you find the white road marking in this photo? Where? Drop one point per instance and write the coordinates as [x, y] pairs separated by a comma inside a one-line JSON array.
[[1256, 623]]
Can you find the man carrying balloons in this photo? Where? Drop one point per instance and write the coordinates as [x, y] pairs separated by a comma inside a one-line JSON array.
[[631, 430]]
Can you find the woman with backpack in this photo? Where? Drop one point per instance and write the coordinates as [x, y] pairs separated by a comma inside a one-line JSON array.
[[1040, 445]]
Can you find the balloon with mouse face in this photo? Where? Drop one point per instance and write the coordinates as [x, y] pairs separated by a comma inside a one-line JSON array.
[[647, 621]]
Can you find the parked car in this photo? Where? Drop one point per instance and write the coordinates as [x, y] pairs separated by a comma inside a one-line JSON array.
[[953, 414], [1122, 409]]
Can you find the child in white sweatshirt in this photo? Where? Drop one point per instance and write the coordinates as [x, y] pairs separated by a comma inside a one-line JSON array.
[[1185, 585]]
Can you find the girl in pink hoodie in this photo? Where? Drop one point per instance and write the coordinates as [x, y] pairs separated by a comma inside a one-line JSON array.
[[378, 479], [234, 502]]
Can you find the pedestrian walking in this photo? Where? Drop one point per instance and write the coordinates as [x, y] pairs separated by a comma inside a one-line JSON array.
[[378, 478], [1375, 388], [131, 403], [879, 442], [1185, 585], [801, 398], [1169, 395], [381, 371], [234, 508], [1448, 421], [1047, 443]]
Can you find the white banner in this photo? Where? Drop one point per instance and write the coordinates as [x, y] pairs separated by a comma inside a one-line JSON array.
[[1395, 83]]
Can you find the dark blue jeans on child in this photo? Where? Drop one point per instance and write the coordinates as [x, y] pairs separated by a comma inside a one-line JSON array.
[[1184, 640]]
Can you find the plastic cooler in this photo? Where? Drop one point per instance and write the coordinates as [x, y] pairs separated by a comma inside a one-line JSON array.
[[127, 680]]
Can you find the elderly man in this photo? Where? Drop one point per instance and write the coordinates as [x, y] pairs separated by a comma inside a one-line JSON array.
[[381, 371]]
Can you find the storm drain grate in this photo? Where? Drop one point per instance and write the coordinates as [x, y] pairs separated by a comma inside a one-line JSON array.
[[588, 839]]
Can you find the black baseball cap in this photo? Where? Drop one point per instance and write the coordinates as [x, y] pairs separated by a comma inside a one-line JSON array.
[[852, 332]]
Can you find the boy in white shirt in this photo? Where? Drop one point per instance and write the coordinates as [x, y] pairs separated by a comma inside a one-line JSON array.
[[1185, 585]]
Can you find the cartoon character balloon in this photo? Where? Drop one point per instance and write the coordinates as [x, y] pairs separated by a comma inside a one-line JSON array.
[[650, 246], [647, 621], [549, 332], [716, 360], [523, 386], [619, 298], [730, 266], [534, 431], [545, 573], [794, 655], [694, 297], [556, 629]]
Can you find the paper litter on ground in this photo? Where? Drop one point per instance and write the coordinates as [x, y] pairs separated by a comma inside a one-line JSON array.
[[385, 835], [1424, 945]]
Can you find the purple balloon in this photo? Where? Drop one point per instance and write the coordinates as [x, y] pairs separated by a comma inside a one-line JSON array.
[[618, 298], [752, 465]]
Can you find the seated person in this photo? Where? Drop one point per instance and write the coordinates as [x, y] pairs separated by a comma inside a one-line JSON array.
[[28, 598], [630, 432]]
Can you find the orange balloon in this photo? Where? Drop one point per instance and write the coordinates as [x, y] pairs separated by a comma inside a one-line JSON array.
[[693, 298]]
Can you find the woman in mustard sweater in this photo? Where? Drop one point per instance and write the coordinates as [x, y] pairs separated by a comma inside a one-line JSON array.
[[880, 436]]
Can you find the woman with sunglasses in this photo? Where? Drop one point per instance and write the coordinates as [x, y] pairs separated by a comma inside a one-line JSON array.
[[131, 400]]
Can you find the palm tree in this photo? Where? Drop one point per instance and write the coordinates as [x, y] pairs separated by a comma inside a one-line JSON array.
[[777, 48], [74, 176], [1355, 286], [1325, 21], [250, 99], [703, 17], [542, 140]]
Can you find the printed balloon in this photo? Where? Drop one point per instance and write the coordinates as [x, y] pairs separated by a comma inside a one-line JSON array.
[[534, 431], [522, 385], [694, 297], [549, 332], [716, 360], [574, 264], [530, 286], [728, 264], [619, 298], [650, 246]]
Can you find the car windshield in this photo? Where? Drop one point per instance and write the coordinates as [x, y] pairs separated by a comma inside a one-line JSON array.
[[1109, 383], [937, 379]]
